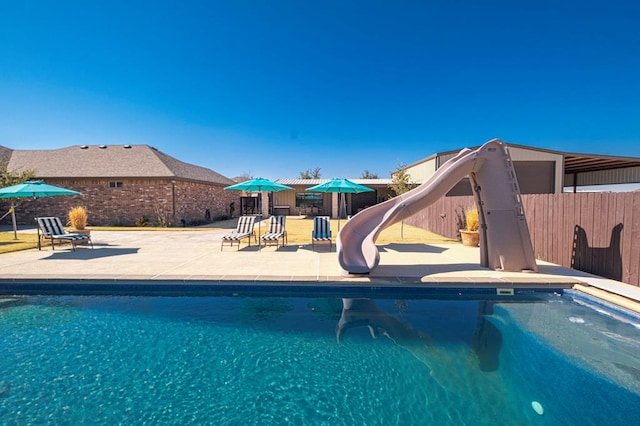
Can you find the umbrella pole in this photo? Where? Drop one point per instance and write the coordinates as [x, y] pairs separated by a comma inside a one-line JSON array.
[[35, 211], [339, 211], [13, 222], [259, 221]]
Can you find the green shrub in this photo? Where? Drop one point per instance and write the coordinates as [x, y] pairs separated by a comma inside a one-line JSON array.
[[143, 221]]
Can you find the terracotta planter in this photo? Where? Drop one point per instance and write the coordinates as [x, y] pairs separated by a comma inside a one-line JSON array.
[[470, 238], [80, 231]]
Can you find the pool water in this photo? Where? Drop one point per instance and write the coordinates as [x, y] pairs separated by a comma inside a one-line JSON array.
[[296, 360]]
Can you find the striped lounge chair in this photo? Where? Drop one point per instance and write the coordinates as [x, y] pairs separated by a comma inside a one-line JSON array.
[[275, 232], [51, 228], [242, 231], [321, 231]]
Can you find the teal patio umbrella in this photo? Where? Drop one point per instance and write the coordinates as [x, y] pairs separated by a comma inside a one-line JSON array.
[[341, 186], [259, 185], [32, 189]]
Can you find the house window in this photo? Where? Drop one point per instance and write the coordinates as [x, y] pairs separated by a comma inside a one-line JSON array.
[[309, 199], [115, 184]]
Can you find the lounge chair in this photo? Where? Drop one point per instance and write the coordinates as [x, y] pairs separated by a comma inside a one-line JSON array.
[[242, 231], [51, 228], [321, 230], [275, 232]]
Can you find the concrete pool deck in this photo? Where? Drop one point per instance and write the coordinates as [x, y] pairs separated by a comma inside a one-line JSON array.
[[156, 257]]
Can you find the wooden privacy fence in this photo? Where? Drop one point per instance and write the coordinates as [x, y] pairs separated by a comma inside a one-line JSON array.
[[595, 232]]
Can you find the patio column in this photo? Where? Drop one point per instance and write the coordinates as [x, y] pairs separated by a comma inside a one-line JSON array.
[[334, 205], [265, 203]]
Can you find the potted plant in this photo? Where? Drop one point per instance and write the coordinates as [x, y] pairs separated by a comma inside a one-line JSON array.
[[78, 220], [470, 235]]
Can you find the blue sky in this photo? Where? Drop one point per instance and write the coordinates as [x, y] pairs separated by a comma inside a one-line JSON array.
[[273, 88]]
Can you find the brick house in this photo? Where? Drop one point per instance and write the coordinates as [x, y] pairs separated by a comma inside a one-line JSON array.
[[120, 184]]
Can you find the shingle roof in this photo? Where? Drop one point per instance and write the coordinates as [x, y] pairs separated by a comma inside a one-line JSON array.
[[5, 155], [109, 161]]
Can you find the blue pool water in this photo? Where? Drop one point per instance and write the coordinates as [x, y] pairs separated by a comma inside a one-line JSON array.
[[302, 360]]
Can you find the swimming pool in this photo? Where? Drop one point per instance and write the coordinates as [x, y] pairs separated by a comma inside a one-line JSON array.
[[314, 360]]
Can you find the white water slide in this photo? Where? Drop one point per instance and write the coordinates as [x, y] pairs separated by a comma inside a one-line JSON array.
[[505, 243]]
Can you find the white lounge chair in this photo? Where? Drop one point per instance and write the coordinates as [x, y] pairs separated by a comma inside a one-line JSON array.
[[51, 228], [243, 230], [275, 232]]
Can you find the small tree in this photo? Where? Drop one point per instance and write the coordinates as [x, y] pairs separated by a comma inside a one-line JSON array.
[[400, 183], [310, 174], [368, 175], [244, 176], [14, 177]]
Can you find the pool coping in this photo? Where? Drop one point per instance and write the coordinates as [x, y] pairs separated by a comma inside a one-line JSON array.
[[270, 288], [190, 260]]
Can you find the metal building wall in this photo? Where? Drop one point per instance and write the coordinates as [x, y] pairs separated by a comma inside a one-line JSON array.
[[421, 172], [605, 177]]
